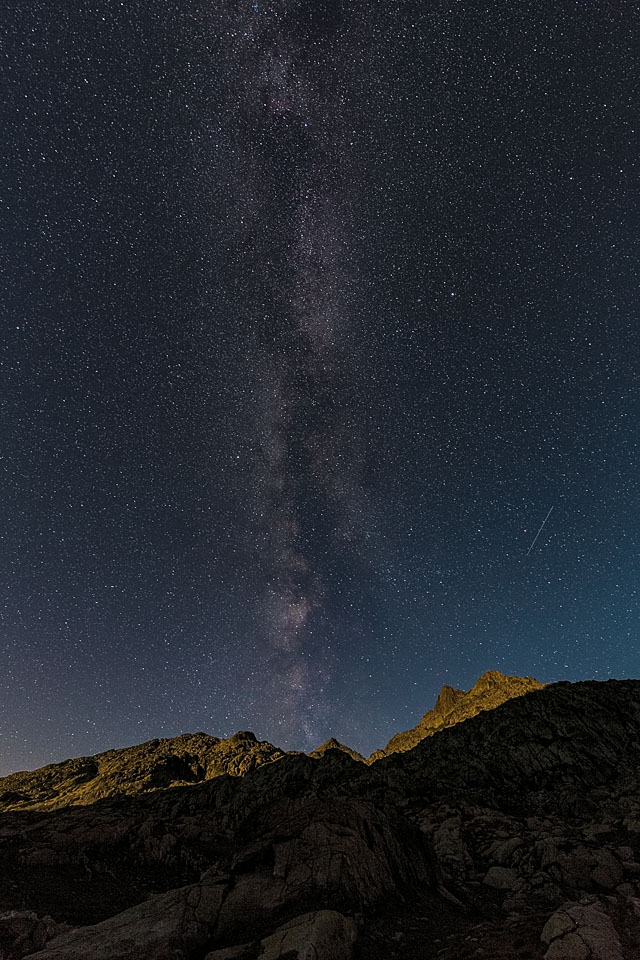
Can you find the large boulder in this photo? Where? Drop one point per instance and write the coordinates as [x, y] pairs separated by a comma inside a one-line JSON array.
[[166, 927], [581, 931], [323, 935]]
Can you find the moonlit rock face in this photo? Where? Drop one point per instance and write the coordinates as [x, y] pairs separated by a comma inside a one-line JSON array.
[[447, 699], [453, 706], [157, 764]]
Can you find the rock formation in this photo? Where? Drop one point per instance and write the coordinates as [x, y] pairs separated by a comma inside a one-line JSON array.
[[190, 758], [453, 706], [333, 744], [515, 834]]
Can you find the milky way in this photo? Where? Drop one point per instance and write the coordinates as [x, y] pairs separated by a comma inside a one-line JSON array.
[[311, 312], [290, 80]]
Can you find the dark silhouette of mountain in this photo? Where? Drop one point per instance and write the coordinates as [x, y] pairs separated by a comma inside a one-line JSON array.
[[515, 834]]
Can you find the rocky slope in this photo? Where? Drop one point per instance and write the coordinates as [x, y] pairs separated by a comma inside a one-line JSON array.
[[513, 835], [192, 758], [333, 744], [453, 706], [189, 758]]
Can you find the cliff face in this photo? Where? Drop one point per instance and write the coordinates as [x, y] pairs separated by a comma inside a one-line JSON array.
[[513, 835], [454, 706]]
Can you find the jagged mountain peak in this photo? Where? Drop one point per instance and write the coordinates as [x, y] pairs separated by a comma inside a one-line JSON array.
[[447, 699], [490, 690], [333, 744], [495, 678], [193, 757], [246, 736]]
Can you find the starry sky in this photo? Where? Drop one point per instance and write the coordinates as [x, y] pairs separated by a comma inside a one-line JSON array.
[[311, 312]]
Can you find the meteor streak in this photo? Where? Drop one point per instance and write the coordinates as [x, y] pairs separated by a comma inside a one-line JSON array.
[[539, 531]]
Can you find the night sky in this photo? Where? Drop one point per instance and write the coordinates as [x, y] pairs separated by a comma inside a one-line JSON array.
[[311, 312]]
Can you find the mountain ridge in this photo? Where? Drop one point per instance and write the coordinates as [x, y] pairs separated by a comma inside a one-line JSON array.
[[154, 764], [191, 758], [514, 834], [491, 689]]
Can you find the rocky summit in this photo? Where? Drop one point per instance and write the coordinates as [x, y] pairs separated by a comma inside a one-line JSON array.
[[454, 706], [333, 744], [194, 757], [189, 758], [513, 834]]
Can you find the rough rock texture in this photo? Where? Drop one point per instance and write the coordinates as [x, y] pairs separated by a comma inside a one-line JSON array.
[[324, 935], [333, 744], [189, 758], [345, 853], [169, 925], [454, 706], [582, 931], [23, 932], [554, 740], [321, 935], [524, 821]]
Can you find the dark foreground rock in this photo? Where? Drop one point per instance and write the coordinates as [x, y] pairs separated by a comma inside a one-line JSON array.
[[513, 835], [345, 854]]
